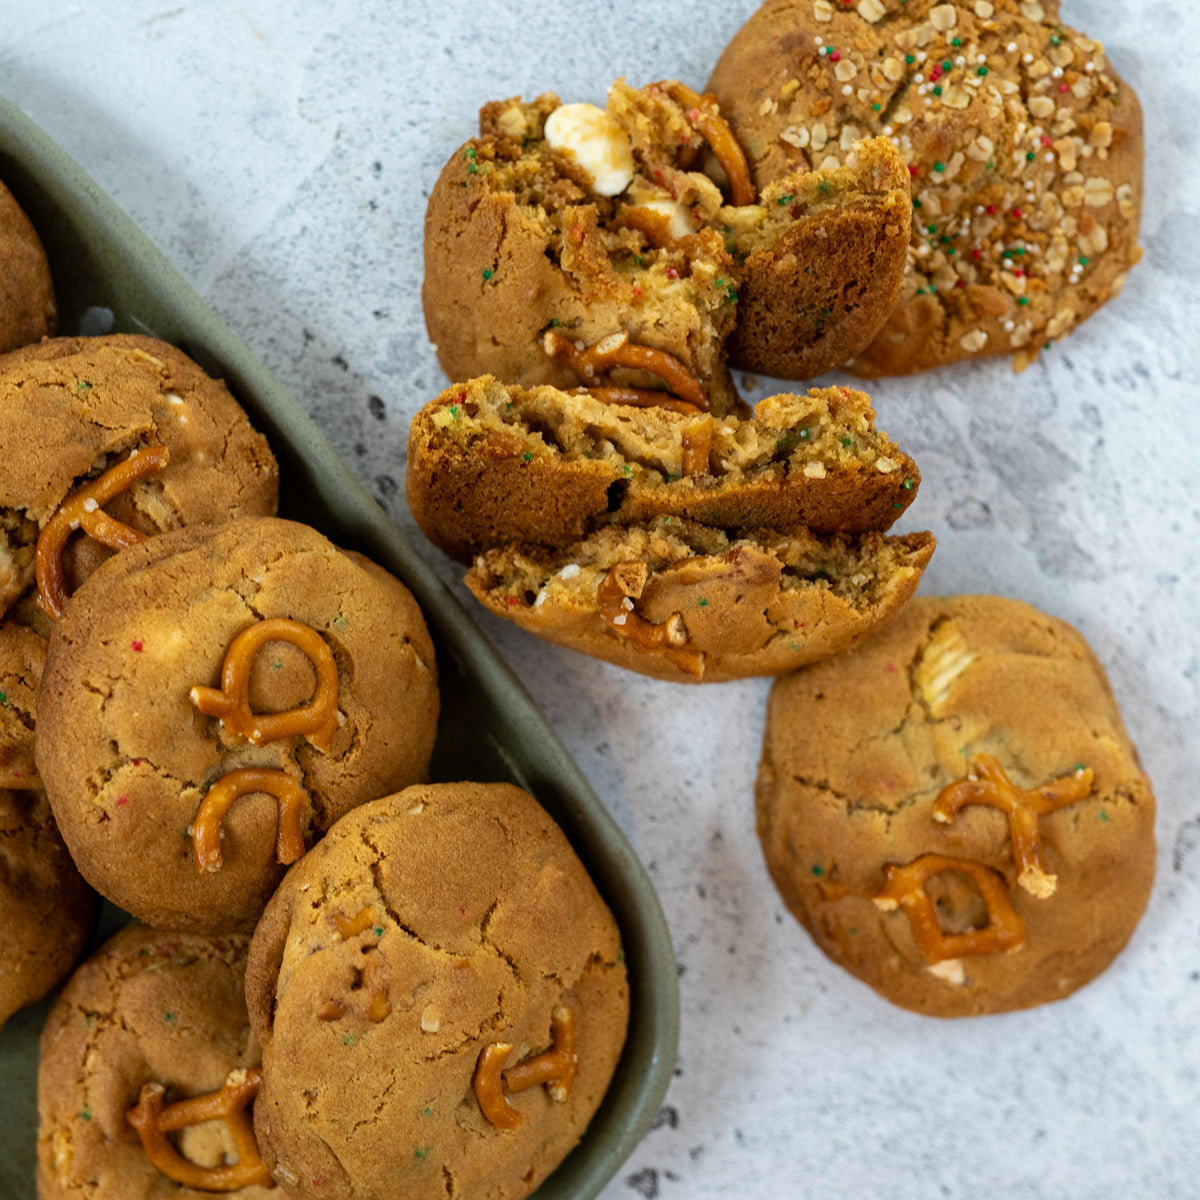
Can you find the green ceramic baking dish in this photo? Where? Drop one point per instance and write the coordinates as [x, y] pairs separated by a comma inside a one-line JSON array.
[[489, 728]]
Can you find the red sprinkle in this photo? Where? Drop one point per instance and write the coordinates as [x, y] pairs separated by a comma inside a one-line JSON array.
[[976, 253], [913, 168], [512, 601], [137, 645], [636, 289], [1063, 87], [672, 273], [960, 283], [891, 668], [122, 799], [935, 72], [835, 57], [1017, 213], [1046, 140]]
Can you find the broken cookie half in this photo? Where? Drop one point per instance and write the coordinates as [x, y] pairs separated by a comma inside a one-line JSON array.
[[678, 544], [640, 221]]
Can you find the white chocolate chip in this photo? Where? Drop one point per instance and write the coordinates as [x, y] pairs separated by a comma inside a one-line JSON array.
[[983, 9], [569, 571], [1033, 10], [974, 341], [845, 70], [814, 470], [885, 465], [596, 142], [823, 10], [1041, 107], [871, 10], [943, 17]]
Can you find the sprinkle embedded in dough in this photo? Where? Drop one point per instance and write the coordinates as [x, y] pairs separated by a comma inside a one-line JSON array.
[[596, 142]]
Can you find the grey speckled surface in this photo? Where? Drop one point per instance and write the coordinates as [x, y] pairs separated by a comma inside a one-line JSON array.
[[282, 162]]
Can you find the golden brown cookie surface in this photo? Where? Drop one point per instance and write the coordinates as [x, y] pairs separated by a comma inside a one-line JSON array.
[[70, 408], [955, 811], [428, 928], [131, 760], [1025, 150], [149, 1007], [28, 311]]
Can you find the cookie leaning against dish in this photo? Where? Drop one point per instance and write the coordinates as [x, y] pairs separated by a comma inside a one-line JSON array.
[[954, 810], [149, 1010], [329, 692], [1024, 145], [680, 545], [441, 968], [28, 311], [71, 409], [564, 226], [46, 910]]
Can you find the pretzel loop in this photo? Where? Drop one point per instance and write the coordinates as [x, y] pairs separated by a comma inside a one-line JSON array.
[[206, 828], [554, 1067], [622, 584], [83, 510], [317, 721], [904, 887], [702, 112], [988, 784], [152, 1121]]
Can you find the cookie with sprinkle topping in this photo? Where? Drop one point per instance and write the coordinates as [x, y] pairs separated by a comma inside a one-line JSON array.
[[1024, 147]]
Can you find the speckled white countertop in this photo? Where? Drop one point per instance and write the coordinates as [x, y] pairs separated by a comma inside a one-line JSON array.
[[280, 155]]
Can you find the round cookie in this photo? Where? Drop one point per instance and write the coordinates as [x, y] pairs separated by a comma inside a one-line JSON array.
[[127, 755], [149, 1007], [1025, 150], [954, 810], [46, 910], [28, 311], [564, 225], [426, 930], [70, 408]]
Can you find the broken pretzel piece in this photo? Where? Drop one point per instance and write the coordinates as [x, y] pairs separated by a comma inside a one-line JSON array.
[[904, 887], [988, 784], [554, 1067], [623, 584], [152, 1121], [702, 112], [316, 721], [206, 828], [84, 510]]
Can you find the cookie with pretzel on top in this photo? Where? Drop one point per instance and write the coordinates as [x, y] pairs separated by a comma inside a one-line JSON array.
[[1024, 146], [564, 225], [214, 698], [954, 810], [28, 311]]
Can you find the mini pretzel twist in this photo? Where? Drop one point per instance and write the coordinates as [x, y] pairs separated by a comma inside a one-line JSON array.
[[554, 1067], [206, 828], [904, 887], [616, 350], [84, 510], [702, 112], [987, 783], [152, 1120], [317, 721], [622, 584]]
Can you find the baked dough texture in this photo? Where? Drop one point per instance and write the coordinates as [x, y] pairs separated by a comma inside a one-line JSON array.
[[859, 748], [147, 1007], [28, 311], [519, 242], [72, 407], [425, 927], [126, 757], [1025, 150]]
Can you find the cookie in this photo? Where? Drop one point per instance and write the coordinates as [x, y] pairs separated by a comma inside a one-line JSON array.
[[28, 311], [74, 408], [441, 998], [1025, 150], [156, 1015], [589, 224], [954, 810], [46, 910], [489, 465], [144, 758], [682, 601]]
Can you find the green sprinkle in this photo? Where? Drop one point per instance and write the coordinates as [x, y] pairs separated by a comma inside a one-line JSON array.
[[427, 1111], [277, 665], [1023, 301], [470, 151], [847, 441], [420, 1152], [702, 603], [1080, 766], [822, 187], [897, 505], [3, 697], [1030, 156], [818, 870], [1055, 39], [947, 65], [90, 1015], [853, 929], [908, 485], [169, 1018], [472, 169], [939, 166], [528, 455], [554, 322], [348, 1040], [620, 956], [83, 386], [786, 199], [956, 42], [1018, 251], [937, 91], [982, 71], [379, 931], [488, 272], [876, 107], [916, 204], [931, 229], [86, 1115], [638, 261], [454, 411], [340, 622], [990, 165], [1083, 262], [910, 59], [625, 468], [1102, 815]]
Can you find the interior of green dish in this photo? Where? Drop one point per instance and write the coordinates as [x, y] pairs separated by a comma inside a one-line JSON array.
[[489, 728]]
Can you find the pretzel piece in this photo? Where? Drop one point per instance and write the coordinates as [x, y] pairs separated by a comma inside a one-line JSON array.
[[702, 112], [637, 398], [988, 784], [904, 887], [84, 510], [316, 721], [554, 1067], [152, 1121], [616, 350], [622, 584], [206, 828]]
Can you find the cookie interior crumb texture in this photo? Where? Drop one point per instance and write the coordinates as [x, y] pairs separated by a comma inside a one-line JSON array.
[[857, 756], [426, 927], [1024, 147]]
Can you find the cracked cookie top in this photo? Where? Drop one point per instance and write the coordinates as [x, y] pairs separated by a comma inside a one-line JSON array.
[[429, 932], [131, 762], [148, 1007], [955, 811]]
